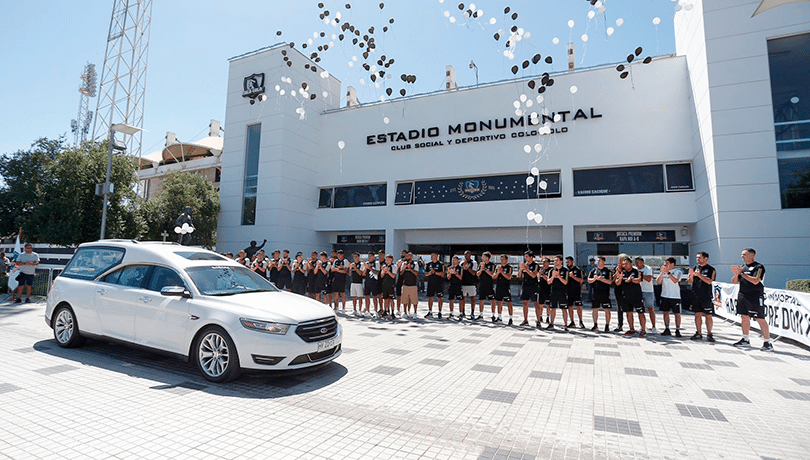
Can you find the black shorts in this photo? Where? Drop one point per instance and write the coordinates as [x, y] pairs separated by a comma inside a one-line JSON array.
[[284, 282], [601, 300], [632, 304], [435, 288], [486, 291], [574, 296], [320, 286], [503, 293], [299, 285], [339, 286], [702, 305], [399, 289], [311, 285], [558, 300], [454, 292], [543, 294], [371, 288], [673, 305], [25, 280], [388, 288], [753, 306], [529, 292]]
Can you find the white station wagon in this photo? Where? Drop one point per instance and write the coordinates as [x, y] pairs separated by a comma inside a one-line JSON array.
[[189, 302]]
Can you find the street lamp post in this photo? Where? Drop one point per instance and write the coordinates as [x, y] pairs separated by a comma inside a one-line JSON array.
[[120, 128]]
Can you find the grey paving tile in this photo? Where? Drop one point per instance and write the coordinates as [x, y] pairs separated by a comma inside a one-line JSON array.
[[433, 337], [802, 382], [349, 350], [387, 370], [480, 334], [367, 334], [657, 353], [795, 395], [729, 351], [434, 362], [642, 372], [707, 413], [497, 396], [607, 353], [437, 346], [562, 338], [726, 395], [545, 375], [701, 366], [472, 341], [484, 368], [512, 345], [714, 362], [8, 388], [678, 347], [629, 343], [616, 425], [559, 345], [606, 345], [397, 351], [56, 369], [523, 334], [580, 360], [764, 357], [503, 353], [25, 350]]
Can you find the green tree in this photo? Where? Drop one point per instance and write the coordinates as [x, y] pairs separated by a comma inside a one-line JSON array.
[[181, 189], [49, 190]]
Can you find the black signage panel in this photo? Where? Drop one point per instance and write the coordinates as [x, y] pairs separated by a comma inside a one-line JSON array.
[[361, 239], [619, 181], [489, 188], [679, 177], [360, 196], [632, 236], [404, 193]]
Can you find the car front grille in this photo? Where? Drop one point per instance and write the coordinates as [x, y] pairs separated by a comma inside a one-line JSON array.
[[315, 357], [315, 331]]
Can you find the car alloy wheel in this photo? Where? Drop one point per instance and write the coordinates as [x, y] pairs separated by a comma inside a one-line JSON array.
[[66, 329], [216, 355]]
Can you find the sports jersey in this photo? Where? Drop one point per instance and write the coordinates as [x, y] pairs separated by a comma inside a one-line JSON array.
[[702, 289], [485, 278], [339, 278], [598, 285], [506, 270], [260, 267], [527, 280], [748, 288], [373, 270], [574, 287], [557, 286], [357, 277], [468, 278], [407, 275], [631, 290], [670, 289], [542, 283], [437, 267], [454, 281], [284, 267], [646, 286]]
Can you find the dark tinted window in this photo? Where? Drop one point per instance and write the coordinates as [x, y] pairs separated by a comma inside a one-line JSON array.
[[360, 195], [90, 262], [679, 178], [404, 193], [133, 276], [619, 181], [164, 277], [325, 198]]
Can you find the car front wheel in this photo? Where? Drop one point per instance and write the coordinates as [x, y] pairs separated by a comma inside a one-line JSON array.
[[66, 328], [215, 355]]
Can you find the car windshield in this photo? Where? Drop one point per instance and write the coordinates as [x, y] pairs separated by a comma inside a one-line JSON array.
[[228, 280]]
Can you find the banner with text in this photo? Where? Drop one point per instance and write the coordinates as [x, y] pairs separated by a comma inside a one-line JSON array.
[[786, 312]]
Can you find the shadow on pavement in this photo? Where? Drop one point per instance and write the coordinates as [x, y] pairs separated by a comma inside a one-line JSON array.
[[173, 375]]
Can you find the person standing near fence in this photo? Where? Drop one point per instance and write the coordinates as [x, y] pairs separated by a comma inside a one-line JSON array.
[[751, 299], [27, 263]]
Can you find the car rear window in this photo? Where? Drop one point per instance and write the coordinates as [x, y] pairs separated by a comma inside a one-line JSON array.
[[88, 263]]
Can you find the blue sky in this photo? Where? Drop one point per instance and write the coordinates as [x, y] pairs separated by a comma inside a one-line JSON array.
[[47, 43]]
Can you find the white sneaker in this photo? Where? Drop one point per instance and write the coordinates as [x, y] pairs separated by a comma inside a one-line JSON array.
[[653, 331], [405, 316]]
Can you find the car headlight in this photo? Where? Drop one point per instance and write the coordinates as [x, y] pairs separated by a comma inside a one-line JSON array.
[[264, 326]]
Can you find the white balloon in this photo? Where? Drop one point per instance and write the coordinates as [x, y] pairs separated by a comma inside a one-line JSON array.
[[386, 120], [529, 180], [292, 93], [543, 184], [619, 22], [601, 9], [382, 98], [557, 118], [325, 94], [540, 99], [351, 64], [555, 40], [492, 21], [656, 20], [535, 171], [571, 23], [573, 90], [522, 98], [341, 144], [354, 58], [184, 227], [538, 218], [362, 81], [584, 37], [516, 104], [447, 14], [282, 92], [527, 148], [472, 6], [178, 229], [591, 14], [527, 34], [538, 148], [610, 31], [794, 100], [598, 4], [190, 230], [452, 20], [277, 88], [529, 215], [529, 103], [520, 31]]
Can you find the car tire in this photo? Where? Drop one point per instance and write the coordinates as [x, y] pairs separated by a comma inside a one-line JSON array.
[[66, 328], [215, 355]]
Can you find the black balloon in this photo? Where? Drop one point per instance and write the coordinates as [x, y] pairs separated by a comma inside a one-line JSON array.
[[514, 28], [525, 64], [550, 82], [630, 58], [340, 37], [304, 85], [320, 5], [638, 51], [323, 34], [326, 13], [514, 16], [312, 96], [306, 66], [619, 67], [549, 60], [402, 91], [541, 89], [292, 44], [391, 21], [354, 41], [373, 77], [514, 69], [304, 45], [647, 60], [382, 5], [348, 6], [289, 63], [460, 6], [531, 84], [278, 33], [365, 55], [389, 91], [623, 75], [283, 52], [536, 58], [506, 10], [385, 28], [497, 36], [544, 79]]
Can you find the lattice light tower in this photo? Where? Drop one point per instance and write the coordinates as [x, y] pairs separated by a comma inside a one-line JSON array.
[[81, 125], [123, 76]]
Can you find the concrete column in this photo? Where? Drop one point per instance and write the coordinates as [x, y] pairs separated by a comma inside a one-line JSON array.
[[569, 246]]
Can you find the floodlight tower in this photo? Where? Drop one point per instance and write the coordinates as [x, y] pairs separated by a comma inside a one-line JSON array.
[[123, 76], [81, 125]]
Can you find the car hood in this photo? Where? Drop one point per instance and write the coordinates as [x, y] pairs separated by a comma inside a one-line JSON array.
[[282, 307]]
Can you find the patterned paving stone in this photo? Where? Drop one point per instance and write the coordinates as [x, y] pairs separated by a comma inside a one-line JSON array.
[[503, 353], [726, 396], [616, 425], [545, 375], [8, 388], [497, 396], [438, 346], [56, 369], [472, 341], [803, 382], [657, 353], [764, 357], [559, 345], [512, 345], [580, 360], [386, 370], [642, 372], [434, 362], [707, 413], [704, 367], [607, 353], [397, 351], [483, 368], [714, 362], [795, 395], [606, 345]]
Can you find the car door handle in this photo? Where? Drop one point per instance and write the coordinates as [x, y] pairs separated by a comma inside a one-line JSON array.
[[101, 291], [145, 299]]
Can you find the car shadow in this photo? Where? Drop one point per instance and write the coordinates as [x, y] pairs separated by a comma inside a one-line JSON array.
[[9, 309], [176, 376]]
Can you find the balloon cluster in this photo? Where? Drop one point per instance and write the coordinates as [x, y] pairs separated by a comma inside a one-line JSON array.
[[545, 81], [623, 72]]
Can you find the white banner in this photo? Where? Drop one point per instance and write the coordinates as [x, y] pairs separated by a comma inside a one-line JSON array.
[[786, 312]]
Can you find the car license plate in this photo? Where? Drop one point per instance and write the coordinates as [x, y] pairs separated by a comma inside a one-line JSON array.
[[326, 345]]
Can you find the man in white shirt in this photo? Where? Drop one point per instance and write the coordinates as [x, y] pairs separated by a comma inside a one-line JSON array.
[[647, 292], [670, 295]]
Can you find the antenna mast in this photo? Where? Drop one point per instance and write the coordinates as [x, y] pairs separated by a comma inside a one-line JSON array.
[[123, 76], [81, 125]]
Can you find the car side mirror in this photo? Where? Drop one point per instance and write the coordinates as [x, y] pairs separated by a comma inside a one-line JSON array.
[[178, 291]]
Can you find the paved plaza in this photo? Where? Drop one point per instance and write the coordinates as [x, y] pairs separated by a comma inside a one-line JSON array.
[[412, 390]]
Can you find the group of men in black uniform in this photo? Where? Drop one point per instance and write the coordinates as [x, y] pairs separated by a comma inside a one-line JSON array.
[[390, 290]]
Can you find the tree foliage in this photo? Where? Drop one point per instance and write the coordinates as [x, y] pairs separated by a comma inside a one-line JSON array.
[[49, 191], [182, 189]]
